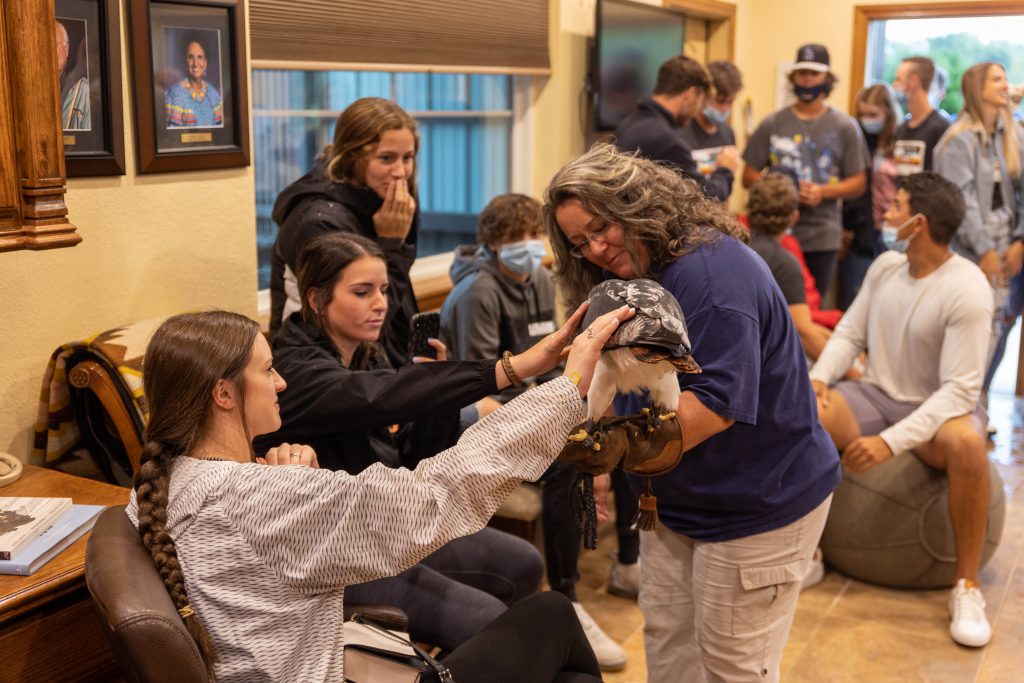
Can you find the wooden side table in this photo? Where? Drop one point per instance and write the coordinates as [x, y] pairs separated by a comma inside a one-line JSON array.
[[49, 628]]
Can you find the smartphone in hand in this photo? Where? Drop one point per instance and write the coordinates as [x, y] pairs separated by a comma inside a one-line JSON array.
[[423, 326]]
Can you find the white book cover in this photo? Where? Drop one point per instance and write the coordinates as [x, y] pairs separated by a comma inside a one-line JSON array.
[[23, 519], [67, 529]]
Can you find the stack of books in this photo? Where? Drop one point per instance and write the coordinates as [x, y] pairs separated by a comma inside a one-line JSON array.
[[34, 530]]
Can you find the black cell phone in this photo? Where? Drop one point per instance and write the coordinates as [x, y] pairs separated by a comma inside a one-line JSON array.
[[423, 326]]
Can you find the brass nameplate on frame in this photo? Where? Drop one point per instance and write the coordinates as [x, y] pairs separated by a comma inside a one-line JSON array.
[[197, 137], [69, 140]]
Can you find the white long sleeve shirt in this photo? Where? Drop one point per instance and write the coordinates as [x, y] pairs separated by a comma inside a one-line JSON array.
[[267, 551], [927, 342]]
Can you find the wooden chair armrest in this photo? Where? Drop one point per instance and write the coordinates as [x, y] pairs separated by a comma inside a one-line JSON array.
[[89, 374]]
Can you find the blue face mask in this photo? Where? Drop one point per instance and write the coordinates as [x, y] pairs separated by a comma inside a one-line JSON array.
[[901, 98], [808, 93], [891, 239], [524, 257], [872, 126], [715, 116]]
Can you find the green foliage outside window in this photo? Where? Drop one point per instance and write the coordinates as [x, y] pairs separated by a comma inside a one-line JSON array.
[[956, 53]]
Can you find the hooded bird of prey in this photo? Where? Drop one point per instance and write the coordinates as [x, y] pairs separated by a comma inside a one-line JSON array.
[[645, 352]]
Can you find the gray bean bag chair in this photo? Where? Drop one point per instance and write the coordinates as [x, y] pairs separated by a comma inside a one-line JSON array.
[[891, 525]]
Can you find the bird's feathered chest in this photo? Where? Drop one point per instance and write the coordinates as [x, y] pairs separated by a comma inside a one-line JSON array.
[[630, 375]]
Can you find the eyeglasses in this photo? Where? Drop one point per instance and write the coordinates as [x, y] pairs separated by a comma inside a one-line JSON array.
[[580, 250]]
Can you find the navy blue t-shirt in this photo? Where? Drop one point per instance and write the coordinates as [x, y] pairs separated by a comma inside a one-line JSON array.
[[776, 463]]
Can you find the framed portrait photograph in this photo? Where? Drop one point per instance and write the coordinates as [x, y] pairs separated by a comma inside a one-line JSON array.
[[88, 43], [189, 84]]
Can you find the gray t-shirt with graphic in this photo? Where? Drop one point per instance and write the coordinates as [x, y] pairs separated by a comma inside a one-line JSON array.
[[824, 150]]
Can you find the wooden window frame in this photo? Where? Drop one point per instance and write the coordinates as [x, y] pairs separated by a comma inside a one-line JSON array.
[[863, 15], [32, 172], [721, 18]]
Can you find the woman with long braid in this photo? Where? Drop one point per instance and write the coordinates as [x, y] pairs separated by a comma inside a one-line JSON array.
[[256, 555]]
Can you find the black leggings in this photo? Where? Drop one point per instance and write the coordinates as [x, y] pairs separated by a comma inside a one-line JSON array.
[[539, 639]]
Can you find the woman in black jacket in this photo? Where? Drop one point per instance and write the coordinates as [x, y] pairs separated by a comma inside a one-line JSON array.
[[878, 116], [364, 183], [345, 400]]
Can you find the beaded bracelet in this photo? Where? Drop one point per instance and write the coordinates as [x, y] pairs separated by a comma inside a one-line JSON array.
[[506, 363]]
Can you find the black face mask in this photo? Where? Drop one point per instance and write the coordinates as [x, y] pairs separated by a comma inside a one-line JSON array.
[[809, 93]]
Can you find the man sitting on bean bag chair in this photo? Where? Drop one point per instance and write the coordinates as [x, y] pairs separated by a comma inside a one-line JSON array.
[[925, 313]]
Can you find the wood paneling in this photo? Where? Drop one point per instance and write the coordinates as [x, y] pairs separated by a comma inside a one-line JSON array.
[[32, 184]]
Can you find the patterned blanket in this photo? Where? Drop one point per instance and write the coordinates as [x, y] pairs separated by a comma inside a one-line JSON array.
[[120, 352]]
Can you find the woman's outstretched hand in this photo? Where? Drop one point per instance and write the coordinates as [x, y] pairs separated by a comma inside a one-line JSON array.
[[548, 352], [586, 348]]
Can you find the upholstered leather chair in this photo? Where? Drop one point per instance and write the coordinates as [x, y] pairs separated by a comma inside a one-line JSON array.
[[148, 637]]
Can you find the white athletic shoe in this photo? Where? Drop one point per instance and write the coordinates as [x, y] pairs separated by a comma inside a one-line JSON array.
[[624, 579], [969, 625], [610, 655], [815, 571]]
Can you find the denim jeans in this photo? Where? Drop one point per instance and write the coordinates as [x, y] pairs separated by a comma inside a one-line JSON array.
[[852, 270], [1006, 317], [562, 534]]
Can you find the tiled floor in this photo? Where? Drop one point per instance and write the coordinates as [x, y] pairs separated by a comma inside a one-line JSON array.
[[846, 630]]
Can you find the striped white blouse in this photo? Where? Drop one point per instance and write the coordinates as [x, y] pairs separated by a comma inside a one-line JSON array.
[[267, 551]]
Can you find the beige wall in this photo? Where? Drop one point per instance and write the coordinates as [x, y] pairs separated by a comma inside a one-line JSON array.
[[771, 30], [152, 245]]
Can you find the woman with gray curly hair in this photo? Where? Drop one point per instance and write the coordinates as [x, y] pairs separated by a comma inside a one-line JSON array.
[[742, 513]]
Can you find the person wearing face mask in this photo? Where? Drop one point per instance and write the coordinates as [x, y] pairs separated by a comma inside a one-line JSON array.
[[503, 298], [827, 151], [878, 116], [708, 132], [917, 137], [925, 313], [653, 129]]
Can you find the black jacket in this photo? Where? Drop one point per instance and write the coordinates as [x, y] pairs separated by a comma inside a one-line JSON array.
[[651, 130], [858, 216], [344, 414], [313, 205]]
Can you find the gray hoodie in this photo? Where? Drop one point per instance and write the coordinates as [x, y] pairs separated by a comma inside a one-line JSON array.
[[488, 312]]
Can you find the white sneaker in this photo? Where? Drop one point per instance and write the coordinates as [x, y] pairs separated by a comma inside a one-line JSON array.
[[610, 655], [624, 579], [969, 625], [815, 570]]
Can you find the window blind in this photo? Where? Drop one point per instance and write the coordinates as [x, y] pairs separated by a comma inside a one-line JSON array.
[[474, 36]]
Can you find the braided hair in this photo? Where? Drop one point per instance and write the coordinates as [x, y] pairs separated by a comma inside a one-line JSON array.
[[186, 358]]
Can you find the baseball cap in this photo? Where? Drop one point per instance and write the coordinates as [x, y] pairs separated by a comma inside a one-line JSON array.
[[812, 57]]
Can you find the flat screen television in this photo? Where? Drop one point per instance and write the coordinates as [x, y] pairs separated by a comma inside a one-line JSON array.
[[631, 41]]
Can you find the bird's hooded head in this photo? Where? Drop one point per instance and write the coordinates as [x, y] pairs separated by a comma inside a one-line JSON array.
[[658, 330]]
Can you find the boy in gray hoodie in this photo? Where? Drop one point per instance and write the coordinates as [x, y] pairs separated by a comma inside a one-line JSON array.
[[503, 299]]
